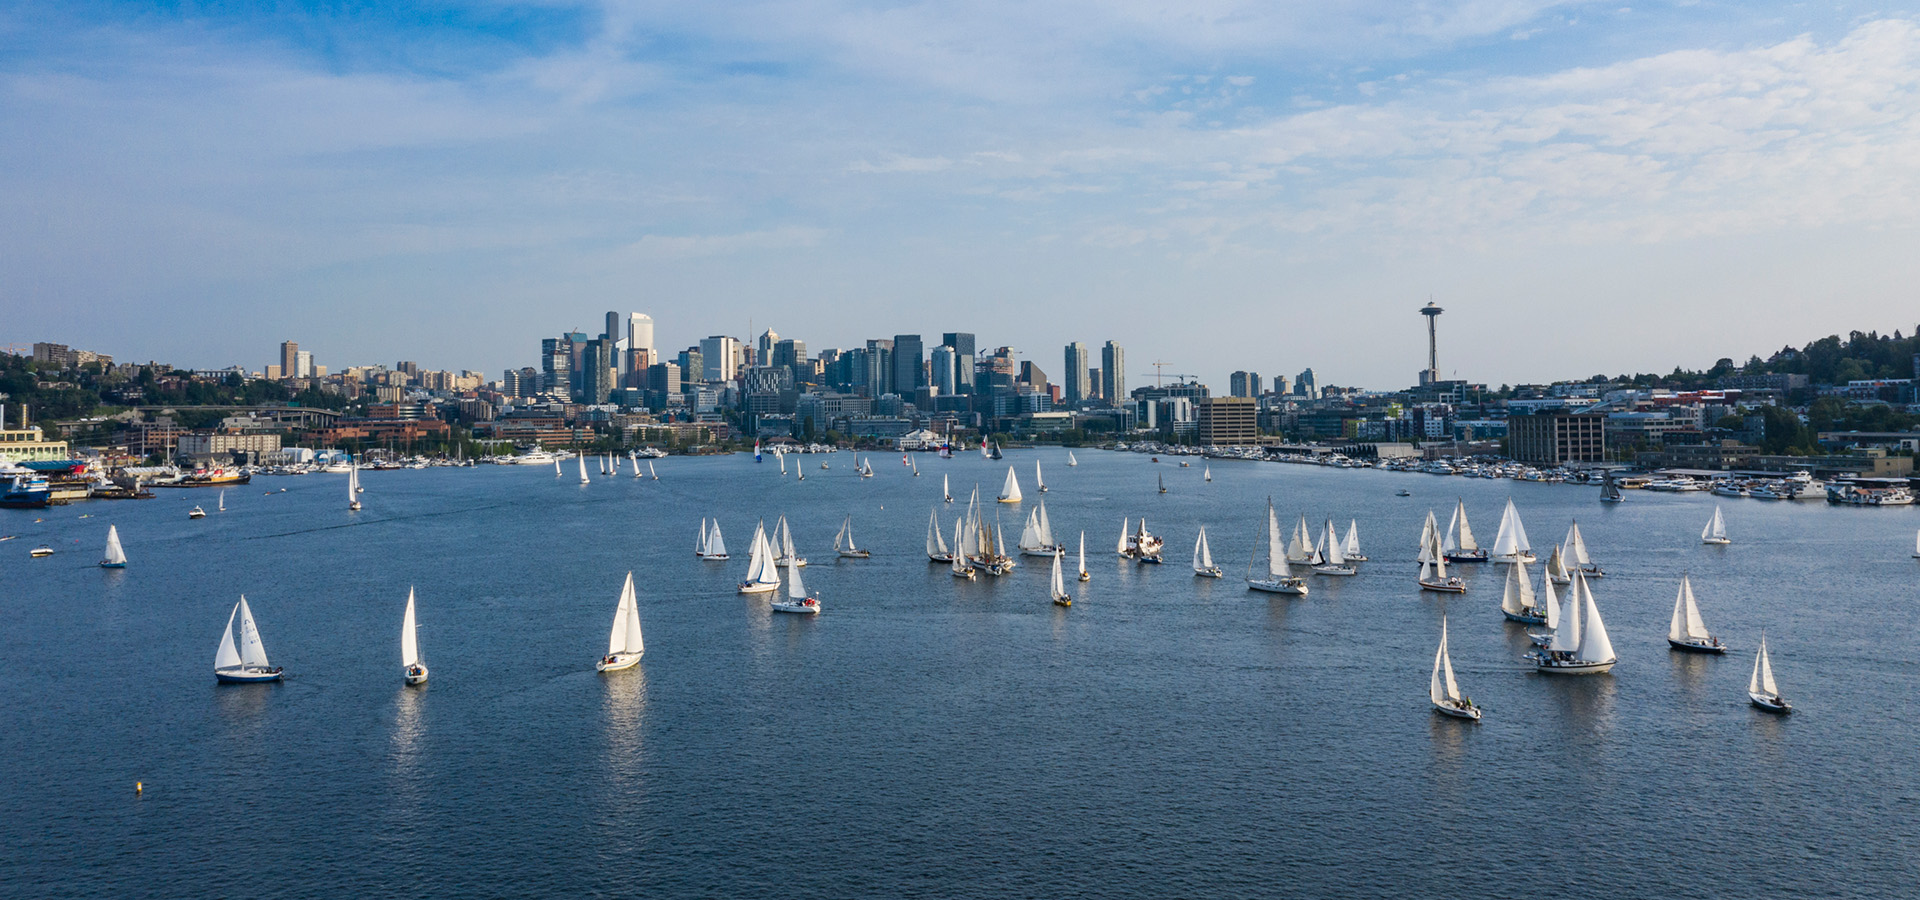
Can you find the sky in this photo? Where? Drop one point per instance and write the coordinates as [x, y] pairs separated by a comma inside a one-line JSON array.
[[1216, 185]]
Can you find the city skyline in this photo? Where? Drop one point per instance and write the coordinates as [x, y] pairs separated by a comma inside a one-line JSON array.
[[1240, 187]]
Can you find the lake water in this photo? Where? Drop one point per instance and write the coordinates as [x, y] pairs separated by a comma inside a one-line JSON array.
[[1166, 736]]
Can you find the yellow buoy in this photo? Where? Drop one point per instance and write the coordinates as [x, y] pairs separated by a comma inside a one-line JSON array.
[[138, 787]]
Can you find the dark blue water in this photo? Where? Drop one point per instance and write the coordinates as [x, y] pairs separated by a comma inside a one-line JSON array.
[[1166, 736]]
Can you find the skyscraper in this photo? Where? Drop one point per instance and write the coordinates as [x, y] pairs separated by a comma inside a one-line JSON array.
[[1305, 387], [963, 359], [909, 364], [289, 358], [1073, 380], [640, 334], [556, 365], [1244, 384], [720, 354], [944, 379], [880, 368], [1113, 373], [764, 347], [792, 355]]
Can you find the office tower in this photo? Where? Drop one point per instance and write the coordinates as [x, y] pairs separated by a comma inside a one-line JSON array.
[[963, 359], [944, 378], [1074, 379], [909, 364], [663, 378], [1244, 384], [792, 355], [556, 365], [303, 364], [1113, 373], [1280, 384], [693, 365], [721, 356], [879, 368], [1032, 375], [1093, 384], [597, 376], [764, 356], [289, 358], [1304, 386]]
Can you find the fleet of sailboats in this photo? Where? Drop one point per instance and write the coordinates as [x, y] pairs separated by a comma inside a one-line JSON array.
[[1203, 557], [1279, 579], [243, 661], [411, 668], [115, 557], [1761, 688], [1687, 631], [1716, 530], [1442, 690], [624, 643]]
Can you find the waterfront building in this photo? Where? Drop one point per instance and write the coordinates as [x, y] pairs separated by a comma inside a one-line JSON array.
[[1073, 381], [1557, 438], [28, 444], [1113, 373], [1226, 421]]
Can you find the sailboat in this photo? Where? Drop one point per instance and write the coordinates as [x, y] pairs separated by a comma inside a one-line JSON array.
[[710, 546], [946, 490], [1010, 492], [1429, 540], [556, 467], [624, 645], [916, 468], [1517, 602], [1433, 571], [115, 557], [996, 451], [1331, 558], [843, 542], [961, 568], [1716, 530], [1070, 460], [1916, 545], [796, 600], [353, 488], [1510, 545], [1441, 689], [583, 469], [786, 556], [1038, 483], [1610, 492], [246, 661], [762, 574], [1687, 631], [1578, 647], [1125, 547], [1206, 473], [1037, 538], [650, 472], [1203, 557], [1557, 571], [1761, 689], [781, 458], [865, 468], [1279, 580], [1146, 545], [936, 542], [1084, 575], [411, 668], [1351, 546], [196, 513], [634, 461], [1550, 609], [983, 451], [1577, 553], [1459, 545], [1059, 587], [1163, 482], [222, 507]]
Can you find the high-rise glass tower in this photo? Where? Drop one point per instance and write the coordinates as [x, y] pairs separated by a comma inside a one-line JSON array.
[[909, 364], [944, 380], [963, 359], [1074, 385], [1113, 374]]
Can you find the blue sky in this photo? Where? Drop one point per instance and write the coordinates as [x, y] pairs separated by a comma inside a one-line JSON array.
[[1218, 185]]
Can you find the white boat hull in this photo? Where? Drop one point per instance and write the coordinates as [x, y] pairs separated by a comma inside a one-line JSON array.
[[1716, 542], [756, 588], [1450, 586], [1546, 666], [1292, 586], [614, 662], [1209, 573], [789, 606], [1470, 713], [247, 675], [415, 674], [856, 554], [1335, 570]]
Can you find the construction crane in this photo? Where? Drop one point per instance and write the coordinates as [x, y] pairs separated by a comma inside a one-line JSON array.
[[1158, 376]]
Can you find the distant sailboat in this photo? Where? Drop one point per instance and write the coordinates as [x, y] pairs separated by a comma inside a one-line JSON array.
[[115, 557], [1084, 575], [634, 461], [1550, 609], [946, 490], [1510, 545], [1761, 689], [1126, 531], [583, 469], [1433, 570], [1300, 546], [624, 644], [1459, 544], [245, 661], [1163, 482], [1576, 553], [1610, 492], [411, 668], [936, 542], [786, 556], [222, 507], [1916, 545], [1010, 492], [1037, 538], [1687, 631], [556, 467], [1206, 473], [1517, 602], [1038, 484], [196, 513], [1441, 689], [762, 574], [1580, 645], [1279, 579], [1203, 557], [796, 600], [843, 542], [650, 472], [710, 545], [1716, 530], [914, 466], [1070, 460], [1351, 546], [1429, 540], [1059, 587], [1331, 556], [960, 567], [353, 489], [1557, 571]]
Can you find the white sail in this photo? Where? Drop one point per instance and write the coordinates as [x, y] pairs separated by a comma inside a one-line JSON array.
[[1010, 492], [1557, 565], [1276, 552], [1550, 604], [1300, 547], [228, 656], [946, 490], [583, 469], [796, 589], [1716, 529], [1351, 546], [1070, 460], [1206, 473], [1429, 539], [1121, 547], [651, 472], [1686, 624], [716, 545], [700, 540], [1576, 547], [959, 542], [1762, 680], [1037, 482], [787, 551], [1511, 542], [223, 498], [625, 637], [1030, 535], [252, 651], [1046, 527], [1566, 635], [1510, 598], [115, 555], [1083, 554], [936, 542], [556, 467], [1202, 554], [1335, 554], [1439, 560], [1059, 583], [843, 541], [1594, 645], [1450, 543], [1466, 539], [409, 644], [1441, 687], [760, 567]]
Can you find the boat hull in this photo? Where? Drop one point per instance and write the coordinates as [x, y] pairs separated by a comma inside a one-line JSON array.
[[614, 662], [1335, 570], [1478, 556], [1716, 542], [1208, 573], [1576, 667], [1769, 704], [783, 606], [1293, 586], [1063, 601], [113, 565], [1524, 618], [1469, 713], [415, 675], [1689, 647], [1443, 587], [855, 554], [247, 676], [755, 588]]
